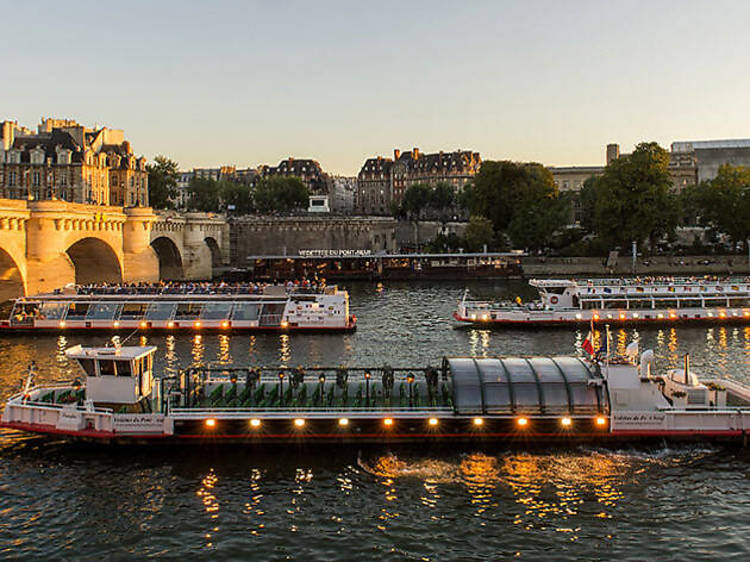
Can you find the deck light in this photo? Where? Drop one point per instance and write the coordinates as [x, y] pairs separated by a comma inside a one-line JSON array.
[[62, 323], [485, 317], [343, 422], [710, 314], [473, 316], [143, 324], [672, 315], [284, 324], [299, 422], [601, 421], [478, 422], [116, 324], [410, 378], [635, 315], [579, 316], [596, 316], [660, 315], [321, 378], [722, 314], [170, 324], [433, 422], [622, 316], [522, 422], [225, 324], [566, 421], [255, 422], [197, 324], [210, 422], [388, 422], [747, 313]]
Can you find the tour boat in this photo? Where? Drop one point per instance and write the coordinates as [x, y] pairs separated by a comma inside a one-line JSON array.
[[274, 310], [615, 301], [118, 399]]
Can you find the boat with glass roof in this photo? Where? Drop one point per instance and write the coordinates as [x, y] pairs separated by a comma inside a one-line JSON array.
[[274, 309], [118, 398], [616, 301]]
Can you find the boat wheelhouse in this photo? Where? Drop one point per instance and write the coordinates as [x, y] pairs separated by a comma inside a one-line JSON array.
[[515, 399], [616, 301], [323, 310]]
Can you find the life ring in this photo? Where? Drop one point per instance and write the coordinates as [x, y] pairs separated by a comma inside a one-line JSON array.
[[553, 300]]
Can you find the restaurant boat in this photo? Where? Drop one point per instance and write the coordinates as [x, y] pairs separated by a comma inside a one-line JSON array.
[[323, 310], [615, 301], [518, 399]]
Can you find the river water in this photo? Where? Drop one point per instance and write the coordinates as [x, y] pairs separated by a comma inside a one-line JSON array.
[[345, 503]]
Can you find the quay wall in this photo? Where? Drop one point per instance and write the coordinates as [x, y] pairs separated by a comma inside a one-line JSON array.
[[657, 265]]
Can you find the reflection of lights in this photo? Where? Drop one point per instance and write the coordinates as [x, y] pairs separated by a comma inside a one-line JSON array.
[[210, 422], [255, 422], [522, 422], [432, 421], [601, 421], [343, 422], [566, 421], [388, 422], [299, 422], [477, 421]]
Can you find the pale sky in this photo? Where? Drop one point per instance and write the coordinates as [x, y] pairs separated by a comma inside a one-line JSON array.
[[245, 83]]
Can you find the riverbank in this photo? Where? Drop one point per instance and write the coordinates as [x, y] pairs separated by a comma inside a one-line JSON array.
[[657, 265]]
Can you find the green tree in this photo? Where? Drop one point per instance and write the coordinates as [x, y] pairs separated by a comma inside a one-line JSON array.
[[442, 200], [724, 202], [633, 199], [204, 195], [478, 232], [587, 202], [280, 194], [533, 224], [236, 198], [416, 199], [162, 182]]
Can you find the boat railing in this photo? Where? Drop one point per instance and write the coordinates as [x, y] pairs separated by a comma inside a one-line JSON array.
[[285, 412]]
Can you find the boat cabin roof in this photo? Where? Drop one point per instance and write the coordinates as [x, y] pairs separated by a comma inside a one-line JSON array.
[[128, 352]]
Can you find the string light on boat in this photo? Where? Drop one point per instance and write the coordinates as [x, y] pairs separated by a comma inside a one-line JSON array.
[[522, 422], [672, 315], [635, 315], [284, 324], [722, 314], [478, 422], [62, 323], [660, 315], [170, 324], [600, 421], [225, 324], [321, 378], [255, 422], [143, 324], [622, 316], [710, 314], [343, 422], [388, 422], [746, 313], [116, 324], [299, 422], [579, 316], [566, 422], [485, 317], [432, 422], [210, 423], [595, 317], [197, 324]]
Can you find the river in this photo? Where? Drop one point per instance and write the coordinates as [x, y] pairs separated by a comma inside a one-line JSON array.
[[345, 503]]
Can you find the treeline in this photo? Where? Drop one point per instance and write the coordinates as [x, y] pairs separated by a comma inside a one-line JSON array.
[[275, 194]]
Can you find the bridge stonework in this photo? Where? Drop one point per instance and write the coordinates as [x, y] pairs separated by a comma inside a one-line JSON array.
[[45, 245]]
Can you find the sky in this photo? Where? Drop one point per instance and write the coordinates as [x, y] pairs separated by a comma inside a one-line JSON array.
[[246, 83]]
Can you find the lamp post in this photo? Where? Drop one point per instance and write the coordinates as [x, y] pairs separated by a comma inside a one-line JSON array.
[[367, 389]]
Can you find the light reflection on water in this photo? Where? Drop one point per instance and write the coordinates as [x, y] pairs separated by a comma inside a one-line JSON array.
[[341, 503]]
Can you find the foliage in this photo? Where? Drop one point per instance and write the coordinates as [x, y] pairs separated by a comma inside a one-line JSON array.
[[280, 194], [444, 243], [442, 201], [236, 197], [724, 202], [478, 232], [416, 199], [587, 200], [533, 225], [162, 182], [204, 195], [633, 199]]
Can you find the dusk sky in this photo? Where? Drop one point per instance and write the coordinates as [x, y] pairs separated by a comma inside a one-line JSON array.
[[246, 83]]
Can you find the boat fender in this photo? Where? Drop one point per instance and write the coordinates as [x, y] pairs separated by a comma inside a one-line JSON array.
[[554, 300]]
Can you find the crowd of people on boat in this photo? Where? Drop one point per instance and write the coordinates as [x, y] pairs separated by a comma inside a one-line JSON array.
[[668, 280], [304, 286]]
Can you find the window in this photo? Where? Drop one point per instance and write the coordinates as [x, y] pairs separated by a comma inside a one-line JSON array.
[[35, 179], [88, 366]]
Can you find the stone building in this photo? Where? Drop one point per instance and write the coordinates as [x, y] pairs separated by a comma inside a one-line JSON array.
[[343, 193], [383, 181], [65, 160], [700, 160], [309, 171]]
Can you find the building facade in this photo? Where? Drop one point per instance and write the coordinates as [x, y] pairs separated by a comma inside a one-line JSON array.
[[65, 160], [703, 158], [309, 171]]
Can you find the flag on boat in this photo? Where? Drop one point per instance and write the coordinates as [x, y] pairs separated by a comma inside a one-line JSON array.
[[588, 343]]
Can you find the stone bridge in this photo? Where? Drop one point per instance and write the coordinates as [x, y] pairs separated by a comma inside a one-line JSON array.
[[48, 244]]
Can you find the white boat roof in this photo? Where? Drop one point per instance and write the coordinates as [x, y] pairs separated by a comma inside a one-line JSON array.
[[109, 352]]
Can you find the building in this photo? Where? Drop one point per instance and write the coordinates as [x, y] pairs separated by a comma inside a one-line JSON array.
[[309, 171], [383, 181], [65, 160], [571, 178], [342, 196], [703, 158]]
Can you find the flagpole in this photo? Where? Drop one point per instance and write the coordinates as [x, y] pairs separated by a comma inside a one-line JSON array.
[[606, 357]]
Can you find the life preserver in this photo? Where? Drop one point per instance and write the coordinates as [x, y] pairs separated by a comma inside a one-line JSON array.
[[553, 300]]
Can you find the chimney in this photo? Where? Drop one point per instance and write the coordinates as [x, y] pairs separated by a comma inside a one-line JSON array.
[[613, 152], [396, 154], [415, 153]]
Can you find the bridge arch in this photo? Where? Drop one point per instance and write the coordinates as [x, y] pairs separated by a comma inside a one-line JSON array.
[[12, 283], [94, 261], [170, 259], [215, 250]]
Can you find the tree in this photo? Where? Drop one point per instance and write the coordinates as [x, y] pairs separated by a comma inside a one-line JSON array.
[[416, 200], [478, 232], [587, 201], [280, 194], [533, 225], [236, 198], [633, 199], [162, 182], [724, 202], [442, 200], [204, 195]]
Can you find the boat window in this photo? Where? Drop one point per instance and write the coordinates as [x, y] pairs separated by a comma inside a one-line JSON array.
[[639, 304], [216, 310], [88, 367], [160, 310], [133, 310], [715, 301], [245, 311], [78, 309], [590, 304], [123, 368], [102, 311], [739, 302], [690, 303], [52, 310], [188, 310], [666, 303], [107, 367], [615, 304], [555, 290]]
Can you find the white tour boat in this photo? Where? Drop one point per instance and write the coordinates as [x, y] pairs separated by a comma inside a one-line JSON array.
[[274, 310], [615, 301], [561, 400]]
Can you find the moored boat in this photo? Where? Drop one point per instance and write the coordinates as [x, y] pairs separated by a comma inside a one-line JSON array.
[[615, 301], [525, 399], [275, 309]]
